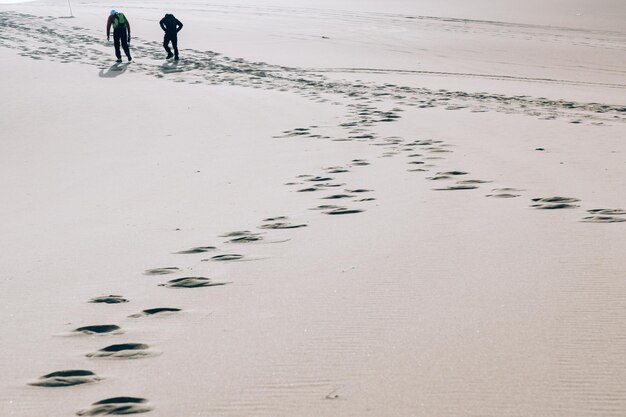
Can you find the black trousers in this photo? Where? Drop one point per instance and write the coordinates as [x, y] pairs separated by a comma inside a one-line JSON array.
[[171, 37], [120, 36]]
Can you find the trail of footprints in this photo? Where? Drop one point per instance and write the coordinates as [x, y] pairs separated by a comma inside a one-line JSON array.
[[334, 195], [49, 38]]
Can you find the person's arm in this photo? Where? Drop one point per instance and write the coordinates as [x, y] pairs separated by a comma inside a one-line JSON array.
[[162, 24], [109, 21], [128, 28], [179, 25]]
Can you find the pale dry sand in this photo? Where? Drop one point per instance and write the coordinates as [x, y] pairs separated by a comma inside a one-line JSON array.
[[417, 272]]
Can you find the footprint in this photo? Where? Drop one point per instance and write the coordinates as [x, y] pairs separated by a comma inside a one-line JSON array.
[[360, 162], [603, 219], [336, 170], [342, 210], [325, 207], [337, 196], [99, 329], [253, 237], [555, 203], [457, 187], [117, 406], [502, 195], [273, 219], [452, 173], [360, 190], [123, 351], [281, 225], [227, 257], [320, 179], [474, 182], [608, 212], [199, 249], [191, 282], [162, 271], [154, 311], [109, 299], [66, 379], [439, 177]]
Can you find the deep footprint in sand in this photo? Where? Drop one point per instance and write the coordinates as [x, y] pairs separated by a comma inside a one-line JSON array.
[[555, 203], [99, 329], [162, 271], [243, 236], [155, 311], [199, 249], [359, 162], [337, 196], [506, 192], [603, 219], [607, 212], [320, 179], [474, 182], [66, 379], [123, 351], [326, 207], [281, 225], [117, 406], [109, 299], [342, 210], [191, 282], [226, 257], [457, 187]]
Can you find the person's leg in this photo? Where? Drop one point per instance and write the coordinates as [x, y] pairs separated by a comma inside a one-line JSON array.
[[116, 44], [124, 40], [166, 41], [175, 45]]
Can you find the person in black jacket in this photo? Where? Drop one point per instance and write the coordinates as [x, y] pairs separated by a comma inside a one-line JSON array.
[[171, 26]]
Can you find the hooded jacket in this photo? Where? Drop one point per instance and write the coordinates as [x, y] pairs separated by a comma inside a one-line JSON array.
[[170, 24]]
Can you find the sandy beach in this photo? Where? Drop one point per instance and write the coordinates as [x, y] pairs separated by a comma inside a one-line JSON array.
[[337, 208]]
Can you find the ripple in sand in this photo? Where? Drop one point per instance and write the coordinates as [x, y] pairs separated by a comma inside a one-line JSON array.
[[199, 249], [191, 282], [123, 351], [117, 406], [555, 203], [155, 311], [109, 299], [99, 329], [66, 379], [162, 271]]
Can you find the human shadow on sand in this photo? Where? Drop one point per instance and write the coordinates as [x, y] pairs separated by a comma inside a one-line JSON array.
[[114, 71], [170, 66]]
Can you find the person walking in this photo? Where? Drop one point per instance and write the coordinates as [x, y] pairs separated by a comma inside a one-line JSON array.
[[171, 26], [121, 34]]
